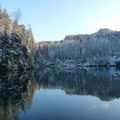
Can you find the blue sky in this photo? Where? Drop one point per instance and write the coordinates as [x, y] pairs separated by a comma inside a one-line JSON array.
[[53, 19]]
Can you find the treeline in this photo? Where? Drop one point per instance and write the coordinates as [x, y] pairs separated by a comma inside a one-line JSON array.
[[9, 25], [99, 49]]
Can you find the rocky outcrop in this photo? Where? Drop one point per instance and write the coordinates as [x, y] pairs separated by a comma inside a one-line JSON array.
[[13, 54]]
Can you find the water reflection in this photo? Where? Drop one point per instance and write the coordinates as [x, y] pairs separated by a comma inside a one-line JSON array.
[[102, 83], [17, 90], [16, 93]]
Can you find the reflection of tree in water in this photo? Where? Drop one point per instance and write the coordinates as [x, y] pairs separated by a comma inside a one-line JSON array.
[[101, 83], [16, 92]]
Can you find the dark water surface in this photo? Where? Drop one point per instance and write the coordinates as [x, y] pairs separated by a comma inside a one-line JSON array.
[[50, 94]]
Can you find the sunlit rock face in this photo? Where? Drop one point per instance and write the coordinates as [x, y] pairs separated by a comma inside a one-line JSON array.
[[13, 54], [98, 49]]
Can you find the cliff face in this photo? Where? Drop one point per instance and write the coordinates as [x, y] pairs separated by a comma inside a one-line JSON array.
[[13, 54], [98, 49]]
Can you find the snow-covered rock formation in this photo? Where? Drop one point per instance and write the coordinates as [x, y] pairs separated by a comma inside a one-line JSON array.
[[98, 49]]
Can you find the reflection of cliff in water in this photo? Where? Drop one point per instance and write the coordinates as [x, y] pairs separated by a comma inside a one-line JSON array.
[[101, 83], [16, 92]]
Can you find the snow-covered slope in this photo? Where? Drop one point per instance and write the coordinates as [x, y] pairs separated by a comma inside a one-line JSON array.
[[98, 49]]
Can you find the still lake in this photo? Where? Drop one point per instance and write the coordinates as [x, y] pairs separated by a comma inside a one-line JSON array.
[[50, 94]]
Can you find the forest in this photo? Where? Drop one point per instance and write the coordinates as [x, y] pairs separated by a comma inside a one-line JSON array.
[[100, 49], [16, 42]]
